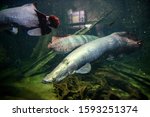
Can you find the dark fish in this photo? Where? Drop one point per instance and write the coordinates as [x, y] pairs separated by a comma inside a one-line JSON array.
[[29, 17]]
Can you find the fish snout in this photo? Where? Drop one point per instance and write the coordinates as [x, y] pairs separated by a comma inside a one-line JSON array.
[[49, 45], [140, 43], [47, 80]]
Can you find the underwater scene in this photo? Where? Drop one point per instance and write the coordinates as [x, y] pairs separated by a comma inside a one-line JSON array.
[[74, 50]]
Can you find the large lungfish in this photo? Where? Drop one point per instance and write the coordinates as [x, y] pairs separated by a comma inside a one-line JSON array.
[[68, 43], [79, 60], [29, 17]]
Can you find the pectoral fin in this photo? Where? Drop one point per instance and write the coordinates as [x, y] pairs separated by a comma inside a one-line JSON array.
[[84, 69], [41, 15], [35, 32]]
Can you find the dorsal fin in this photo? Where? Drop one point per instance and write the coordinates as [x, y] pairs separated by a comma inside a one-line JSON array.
[[45, 29]]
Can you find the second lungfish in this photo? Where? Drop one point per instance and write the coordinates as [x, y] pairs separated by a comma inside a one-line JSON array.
[[68, 43]]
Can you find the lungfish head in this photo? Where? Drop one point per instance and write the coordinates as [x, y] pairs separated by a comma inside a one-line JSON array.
[[59, 73], [131, 43]]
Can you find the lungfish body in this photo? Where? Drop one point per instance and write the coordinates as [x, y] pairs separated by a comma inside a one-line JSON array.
[[67, 44], [79, 60]]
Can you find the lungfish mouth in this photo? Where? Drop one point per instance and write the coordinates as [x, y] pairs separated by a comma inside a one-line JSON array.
[[46, 81]]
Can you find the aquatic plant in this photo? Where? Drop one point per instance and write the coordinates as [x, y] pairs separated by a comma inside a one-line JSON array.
[[106, 82]]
